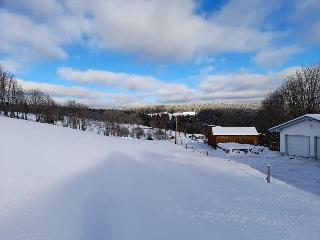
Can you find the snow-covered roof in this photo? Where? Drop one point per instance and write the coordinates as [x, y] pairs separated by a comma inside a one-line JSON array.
[[314, 116], [234, 131], [295, 121], [184, 114]]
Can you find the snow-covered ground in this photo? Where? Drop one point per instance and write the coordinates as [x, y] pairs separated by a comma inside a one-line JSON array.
[[303, 173], [60, 183]]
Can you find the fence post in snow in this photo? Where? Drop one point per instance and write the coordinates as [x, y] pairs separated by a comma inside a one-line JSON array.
[[175, 133], [186, 146], [207, 153], [269, 174]]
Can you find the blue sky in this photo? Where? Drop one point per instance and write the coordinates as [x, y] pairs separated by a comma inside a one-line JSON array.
[[130, 52]]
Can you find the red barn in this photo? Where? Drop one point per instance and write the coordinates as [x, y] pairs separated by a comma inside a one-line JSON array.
[[243, 135]]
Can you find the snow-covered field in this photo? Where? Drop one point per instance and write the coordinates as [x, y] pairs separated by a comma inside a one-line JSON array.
[[60, 183]]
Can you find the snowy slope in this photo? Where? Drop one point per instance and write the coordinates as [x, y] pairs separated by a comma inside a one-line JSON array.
[[60, 183]]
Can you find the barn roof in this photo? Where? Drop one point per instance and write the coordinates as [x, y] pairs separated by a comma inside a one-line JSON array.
[[228, 131], [295, 121]]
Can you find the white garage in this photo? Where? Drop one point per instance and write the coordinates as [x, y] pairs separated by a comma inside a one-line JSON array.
[[300, 136], [318, 148], [298, 145]]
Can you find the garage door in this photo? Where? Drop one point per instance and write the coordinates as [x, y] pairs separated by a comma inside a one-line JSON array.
[[298, 145], [318, 148]]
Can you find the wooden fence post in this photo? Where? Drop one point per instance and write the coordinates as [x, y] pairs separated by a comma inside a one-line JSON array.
[[269, 174], [186, 146], [207, 153]]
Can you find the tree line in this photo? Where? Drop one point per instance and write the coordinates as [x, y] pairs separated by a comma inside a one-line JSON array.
[[14, 99], [298, 95]]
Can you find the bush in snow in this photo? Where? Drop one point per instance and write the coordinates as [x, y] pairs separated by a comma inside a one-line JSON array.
[[137, 132], [159, 134], [122, 131]]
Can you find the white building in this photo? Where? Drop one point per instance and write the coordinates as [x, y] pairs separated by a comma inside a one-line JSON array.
[[300, 136]]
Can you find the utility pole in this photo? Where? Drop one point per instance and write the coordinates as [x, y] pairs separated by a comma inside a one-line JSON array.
[[176, 132]]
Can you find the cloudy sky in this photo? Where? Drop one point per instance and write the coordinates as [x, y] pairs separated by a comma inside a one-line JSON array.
[[134, 52]]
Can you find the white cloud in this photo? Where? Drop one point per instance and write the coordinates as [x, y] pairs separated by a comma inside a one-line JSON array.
[[167, 30], [24, 40], [204, 59], [144, 86], [10, 65], [313, 32], [171, 30], [305, 18], [61, 91], [206, 70], [247, 13], [173, 93], [240, 85], [108, 78], [272, 57], [49, 8]]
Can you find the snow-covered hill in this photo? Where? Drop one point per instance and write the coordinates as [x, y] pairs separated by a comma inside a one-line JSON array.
[[60, 183]]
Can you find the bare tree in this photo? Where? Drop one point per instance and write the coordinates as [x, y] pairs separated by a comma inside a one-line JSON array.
[[4, 84], [35, 100], [298, 95]]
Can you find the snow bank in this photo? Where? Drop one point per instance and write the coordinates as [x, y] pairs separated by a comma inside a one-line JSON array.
[[60, 183], [237, 148], [232, 146]]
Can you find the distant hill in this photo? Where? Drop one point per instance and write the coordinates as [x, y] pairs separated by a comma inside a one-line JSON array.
[[194, 107]]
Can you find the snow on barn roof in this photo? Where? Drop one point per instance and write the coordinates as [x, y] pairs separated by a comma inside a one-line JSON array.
[[234, 131], [295, 121]]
